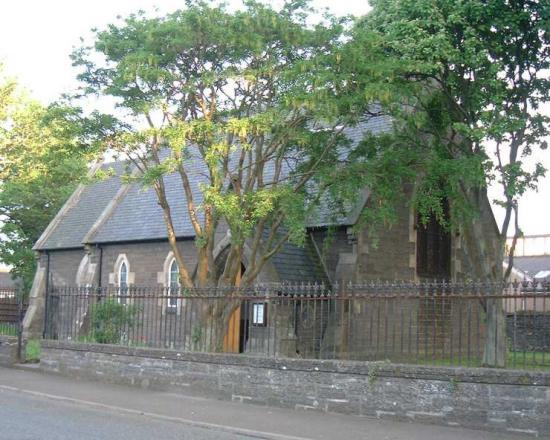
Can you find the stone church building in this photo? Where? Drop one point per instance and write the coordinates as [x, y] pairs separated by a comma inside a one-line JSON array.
[[111, 233]]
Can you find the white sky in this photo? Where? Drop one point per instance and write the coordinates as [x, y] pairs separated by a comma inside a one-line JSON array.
[[37, 36]]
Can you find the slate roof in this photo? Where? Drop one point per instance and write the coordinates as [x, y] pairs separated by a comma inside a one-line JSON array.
[[533, 265], [326, 213], [87, 206], [138, 217], [298, 264]]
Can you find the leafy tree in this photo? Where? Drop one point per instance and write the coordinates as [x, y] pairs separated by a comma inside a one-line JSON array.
[[253, 98], [43, 158], [465, 82]]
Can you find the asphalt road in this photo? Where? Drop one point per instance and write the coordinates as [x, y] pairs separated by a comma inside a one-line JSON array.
[[25, 417], [38, 406]]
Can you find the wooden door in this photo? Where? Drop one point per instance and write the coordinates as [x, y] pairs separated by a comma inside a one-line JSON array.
[[231, 340]]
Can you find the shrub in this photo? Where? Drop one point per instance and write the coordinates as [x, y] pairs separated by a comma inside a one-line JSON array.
[[111, 320]]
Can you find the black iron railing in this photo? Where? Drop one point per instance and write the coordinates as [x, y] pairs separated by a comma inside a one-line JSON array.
[[427, 323], [13, 305]]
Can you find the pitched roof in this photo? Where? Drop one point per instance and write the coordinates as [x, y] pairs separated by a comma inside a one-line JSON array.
[[80, 212], [298, 264], [138, 215], [533, 266], [109, 211]]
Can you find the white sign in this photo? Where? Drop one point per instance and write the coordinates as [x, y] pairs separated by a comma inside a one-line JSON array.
[[258, 314]]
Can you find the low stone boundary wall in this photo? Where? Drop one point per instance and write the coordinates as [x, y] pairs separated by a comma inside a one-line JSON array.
[[503, 400], [8, 350]]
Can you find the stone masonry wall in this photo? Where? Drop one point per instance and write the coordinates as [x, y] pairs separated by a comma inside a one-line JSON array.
[[8, 350], [390, 258], [335, 248], [64, 266], [146, 260], [508, 401]]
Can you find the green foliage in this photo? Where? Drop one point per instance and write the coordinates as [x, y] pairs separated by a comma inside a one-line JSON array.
[[111, 321], [43, 158], [196, 336], [372, 375], [464, 82], [255, 98], [45, 152], [453, 385], [8, 329], [33, 350]]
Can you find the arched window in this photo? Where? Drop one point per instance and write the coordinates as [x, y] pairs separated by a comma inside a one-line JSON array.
[[123, 283], [173, 283]]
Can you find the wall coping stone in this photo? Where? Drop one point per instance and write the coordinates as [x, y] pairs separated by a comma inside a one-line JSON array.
[[8, 340], [381, 368]]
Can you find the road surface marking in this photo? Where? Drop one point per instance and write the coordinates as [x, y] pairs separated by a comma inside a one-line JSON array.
[[194, 423]]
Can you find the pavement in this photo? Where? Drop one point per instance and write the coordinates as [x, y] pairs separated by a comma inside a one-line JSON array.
[[34, 405]]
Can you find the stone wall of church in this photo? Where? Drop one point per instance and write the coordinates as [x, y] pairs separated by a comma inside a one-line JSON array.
[[145, 261], [389, 252], [359, 256], [336, 248], [64, 266]]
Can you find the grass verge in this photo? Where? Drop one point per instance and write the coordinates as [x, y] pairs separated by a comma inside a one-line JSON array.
[[32, 353], [8, 330]]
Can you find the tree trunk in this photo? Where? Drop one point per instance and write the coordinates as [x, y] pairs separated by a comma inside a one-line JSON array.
[[482, 248], [216, 316], [185, 277], [494, 352]]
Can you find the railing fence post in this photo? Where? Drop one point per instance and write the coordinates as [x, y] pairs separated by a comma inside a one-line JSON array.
[[46, 306], [19, 294]]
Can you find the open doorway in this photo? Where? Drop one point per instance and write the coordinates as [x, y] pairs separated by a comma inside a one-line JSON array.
[[433, 248]]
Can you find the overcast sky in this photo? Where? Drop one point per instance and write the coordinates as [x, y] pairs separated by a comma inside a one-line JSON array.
[[37, 36]]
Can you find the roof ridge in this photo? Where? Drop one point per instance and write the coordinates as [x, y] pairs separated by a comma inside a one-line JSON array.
[[71, 202], [106, 213]]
